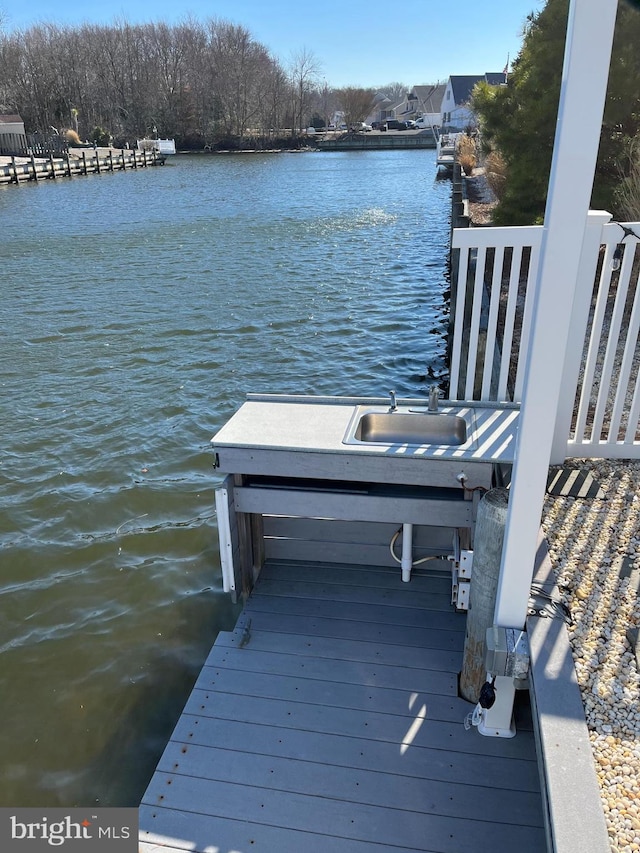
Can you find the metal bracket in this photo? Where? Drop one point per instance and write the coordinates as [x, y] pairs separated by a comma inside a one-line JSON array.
[[465, 563], [460, 577], [507, 652]]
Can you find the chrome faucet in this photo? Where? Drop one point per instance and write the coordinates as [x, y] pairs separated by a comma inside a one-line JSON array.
[[394, 406], [433, 399]]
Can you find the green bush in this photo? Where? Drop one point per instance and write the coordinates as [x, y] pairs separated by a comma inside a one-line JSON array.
[[100, 136]]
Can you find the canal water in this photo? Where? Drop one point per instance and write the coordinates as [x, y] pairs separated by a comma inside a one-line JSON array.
[[137, 311]]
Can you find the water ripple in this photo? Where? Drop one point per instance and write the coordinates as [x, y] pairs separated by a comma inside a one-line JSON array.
[[127, 341]]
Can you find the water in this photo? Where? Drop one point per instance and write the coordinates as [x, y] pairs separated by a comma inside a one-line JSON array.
[[137, 311]]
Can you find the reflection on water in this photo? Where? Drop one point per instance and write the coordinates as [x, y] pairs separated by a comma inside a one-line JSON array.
[[138, 309]]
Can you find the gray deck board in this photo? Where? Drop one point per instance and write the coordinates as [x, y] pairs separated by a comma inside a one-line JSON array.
[[346, 629], [382, 578], [316, 731], [356, 785], [358, 821], [448, 659], [339, 694], [445, 619], [372, 725], [339, 751], [355, 672]]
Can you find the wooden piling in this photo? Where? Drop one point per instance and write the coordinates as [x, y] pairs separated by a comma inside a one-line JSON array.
[[487, 555]]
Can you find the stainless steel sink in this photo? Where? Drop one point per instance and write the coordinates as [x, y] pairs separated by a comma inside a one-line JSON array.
[[407, 428]]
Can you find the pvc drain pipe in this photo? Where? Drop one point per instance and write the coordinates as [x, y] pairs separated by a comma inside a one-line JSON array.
[[407, 549]]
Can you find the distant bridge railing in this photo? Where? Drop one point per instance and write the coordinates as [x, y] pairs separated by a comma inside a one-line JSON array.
[[494, 276]]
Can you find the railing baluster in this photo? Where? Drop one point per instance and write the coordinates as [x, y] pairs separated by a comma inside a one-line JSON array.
[[613, 336], [593, 350], [509, 322], [456, 350], [532, 280], [474, 328], [615, 340], [492, 323]]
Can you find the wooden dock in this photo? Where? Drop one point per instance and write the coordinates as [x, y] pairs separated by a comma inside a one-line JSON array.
[[446, 150], [17, 170], [329, 720]]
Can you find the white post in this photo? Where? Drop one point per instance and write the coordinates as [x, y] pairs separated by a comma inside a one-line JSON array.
[[582, 97], [584, 84]]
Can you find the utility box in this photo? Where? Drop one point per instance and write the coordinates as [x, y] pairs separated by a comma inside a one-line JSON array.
[[507, 652]]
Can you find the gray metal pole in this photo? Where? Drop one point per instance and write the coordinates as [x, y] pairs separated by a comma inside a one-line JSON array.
[[487, 556]]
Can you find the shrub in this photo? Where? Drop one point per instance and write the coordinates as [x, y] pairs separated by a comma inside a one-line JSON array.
[[72, 137], [496, 173], [100, 136], [466, 152]]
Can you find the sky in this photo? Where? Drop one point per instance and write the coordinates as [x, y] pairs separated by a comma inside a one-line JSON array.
[[355, 42]]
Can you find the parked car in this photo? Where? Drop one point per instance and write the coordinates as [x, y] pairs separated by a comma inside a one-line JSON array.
[[410, 124], [361, 127], [394, 124]]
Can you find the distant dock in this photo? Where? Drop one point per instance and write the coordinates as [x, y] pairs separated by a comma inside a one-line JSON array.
[[376, 141], [446, 149], [77, 161]]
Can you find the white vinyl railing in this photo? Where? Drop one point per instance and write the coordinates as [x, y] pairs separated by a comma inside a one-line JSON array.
[[491, 314], [496, 272]]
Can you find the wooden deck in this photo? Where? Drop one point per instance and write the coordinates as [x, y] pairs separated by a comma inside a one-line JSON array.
[[329, 720]]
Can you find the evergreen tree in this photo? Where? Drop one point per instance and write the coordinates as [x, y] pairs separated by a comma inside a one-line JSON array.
[[519, 118]]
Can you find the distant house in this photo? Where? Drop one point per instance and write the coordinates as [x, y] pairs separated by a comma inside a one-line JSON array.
[[423, 101], [13, 139], [456, 114], [382, 109]]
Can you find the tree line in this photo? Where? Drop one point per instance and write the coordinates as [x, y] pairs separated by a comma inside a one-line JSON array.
[[200, 82], [518, 120]]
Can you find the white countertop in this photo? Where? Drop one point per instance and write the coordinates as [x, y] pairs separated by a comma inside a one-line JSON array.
[[319, 425]]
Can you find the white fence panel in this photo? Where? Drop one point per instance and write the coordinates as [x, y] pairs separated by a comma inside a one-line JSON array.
[[496, 274], [492, 313], [607, 399]]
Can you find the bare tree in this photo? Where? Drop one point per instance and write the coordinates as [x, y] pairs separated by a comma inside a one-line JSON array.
[[356, 103], [303, 74], [394, 91], [191, 81]]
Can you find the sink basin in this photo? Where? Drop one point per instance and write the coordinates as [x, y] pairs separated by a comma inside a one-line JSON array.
[[401, 428]]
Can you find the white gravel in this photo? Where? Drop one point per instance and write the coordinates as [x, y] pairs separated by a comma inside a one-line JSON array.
[[594, 545]]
